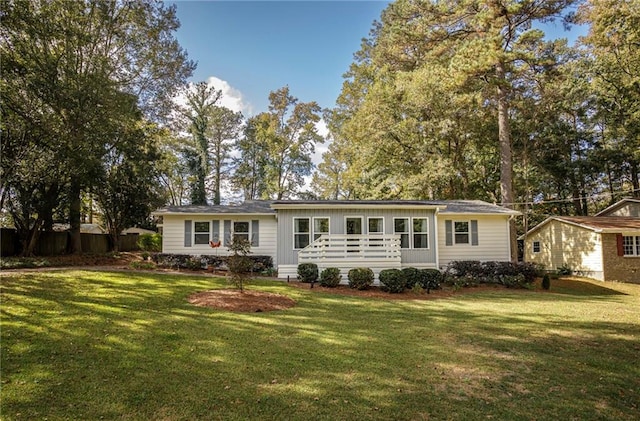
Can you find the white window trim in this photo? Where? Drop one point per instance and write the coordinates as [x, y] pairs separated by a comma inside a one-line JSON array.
[[634, 245], [298, 233], [533, 246], [193, 232], [233, 227], [383, 225], [408, 219], [425, 232], [313, 227], [453, 229], [354, 217]]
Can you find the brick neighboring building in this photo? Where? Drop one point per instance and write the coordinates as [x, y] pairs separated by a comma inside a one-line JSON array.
[[604, 247]]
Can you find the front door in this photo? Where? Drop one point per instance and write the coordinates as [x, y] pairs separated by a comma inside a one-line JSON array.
[[353, 226]]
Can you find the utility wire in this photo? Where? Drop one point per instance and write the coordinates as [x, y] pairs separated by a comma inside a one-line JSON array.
[[594, 196]]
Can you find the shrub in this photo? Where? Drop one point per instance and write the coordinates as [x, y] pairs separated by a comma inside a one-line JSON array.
[[360, 278], [564, 270], [392, 280], [546, 281], [430, 279], [411, 277], [330, 277], [308, 272], [471, 272], [150, 242]]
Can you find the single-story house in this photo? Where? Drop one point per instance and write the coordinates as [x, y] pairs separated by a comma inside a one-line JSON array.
[[601, 247], [344, 233]]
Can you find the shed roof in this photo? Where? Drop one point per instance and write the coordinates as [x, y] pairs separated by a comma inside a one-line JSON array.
[[596, 223], [617, 205]]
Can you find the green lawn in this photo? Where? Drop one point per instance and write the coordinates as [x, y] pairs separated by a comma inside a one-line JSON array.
[[98, 345]]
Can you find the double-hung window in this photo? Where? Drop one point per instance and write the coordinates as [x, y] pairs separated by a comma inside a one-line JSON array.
[[301, 232], [536, 246], [401, 227], [241, 230], [420, 233], [631, 245], [461, 232], [201, 232], [320, 227]]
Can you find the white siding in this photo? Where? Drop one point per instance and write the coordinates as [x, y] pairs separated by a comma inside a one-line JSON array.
[[173, 235], [493, 239], [563, 244]]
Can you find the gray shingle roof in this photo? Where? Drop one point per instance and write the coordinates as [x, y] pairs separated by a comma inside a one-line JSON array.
[[265, 206], [248, 207]]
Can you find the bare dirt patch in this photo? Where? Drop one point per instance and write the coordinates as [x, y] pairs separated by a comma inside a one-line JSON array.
[[244, 302]]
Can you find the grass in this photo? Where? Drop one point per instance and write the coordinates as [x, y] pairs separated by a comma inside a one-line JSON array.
[[106, 345]]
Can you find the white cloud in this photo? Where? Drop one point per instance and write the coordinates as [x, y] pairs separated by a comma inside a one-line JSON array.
[[232, 98], [323, 130]]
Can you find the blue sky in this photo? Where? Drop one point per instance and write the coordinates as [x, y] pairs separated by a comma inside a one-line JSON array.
[[254, 47], [250, 48]]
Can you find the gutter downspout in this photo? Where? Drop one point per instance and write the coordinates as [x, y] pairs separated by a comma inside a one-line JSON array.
[[511, 217], [435, 237]]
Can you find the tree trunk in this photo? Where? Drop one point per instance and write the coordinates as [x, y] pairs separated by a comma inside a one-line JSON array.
[[506, 158], [635, 182], [75, 242]]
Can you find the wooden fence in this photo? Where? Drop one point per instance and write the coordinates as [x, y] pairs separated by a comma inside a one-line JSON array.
[[56, 243]]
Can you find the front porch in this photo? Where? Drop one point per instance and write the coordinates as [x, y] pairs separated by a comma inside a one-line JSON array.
[[347, 251]]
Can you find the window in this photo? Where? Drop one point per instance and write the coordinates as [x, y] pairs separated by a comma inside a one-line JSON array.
[[376, 225], [461, 233], [401, 226], [631, 245], [320, 227], [241, 230], [536, 246], [301, 232], [420, 233], [201, 233]]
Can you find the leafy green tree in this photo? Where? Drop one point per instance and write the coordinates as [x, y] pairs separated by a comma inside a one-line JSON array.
[[249, 176], [287, 134], [65, 66], [201, 101], [225, 127], [128, 191], [612, 44]]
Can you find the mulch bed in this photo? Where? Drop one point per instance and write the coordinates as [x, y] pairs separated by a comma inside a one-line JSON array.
[[244, 302]]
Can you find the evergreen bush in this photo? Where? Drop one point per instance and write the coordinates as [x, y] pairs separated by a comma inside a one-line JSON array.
[[360, 278], [308, 272], [330, 277], [392, 280]]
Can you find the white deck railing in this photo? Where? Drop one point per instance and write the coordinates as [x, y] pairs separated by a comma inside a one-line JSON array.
[[352, 249]]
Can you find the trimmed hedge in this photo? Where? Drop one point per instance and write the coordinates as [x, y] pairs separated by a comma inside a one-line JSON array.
[[308, 272], [411, 277], [194, 262], [330, 277], [392, 280], [471, 272], [430, 279], [360, 278]]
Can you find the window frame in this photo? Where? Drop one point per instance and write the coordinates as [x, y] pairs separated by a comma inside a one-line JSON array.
[[195, 234], [635, 245], [536, 246], [235, 233], [414, 233], [369, 226], [403, 233], [315, 233], [299, 233], [455, 233]]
